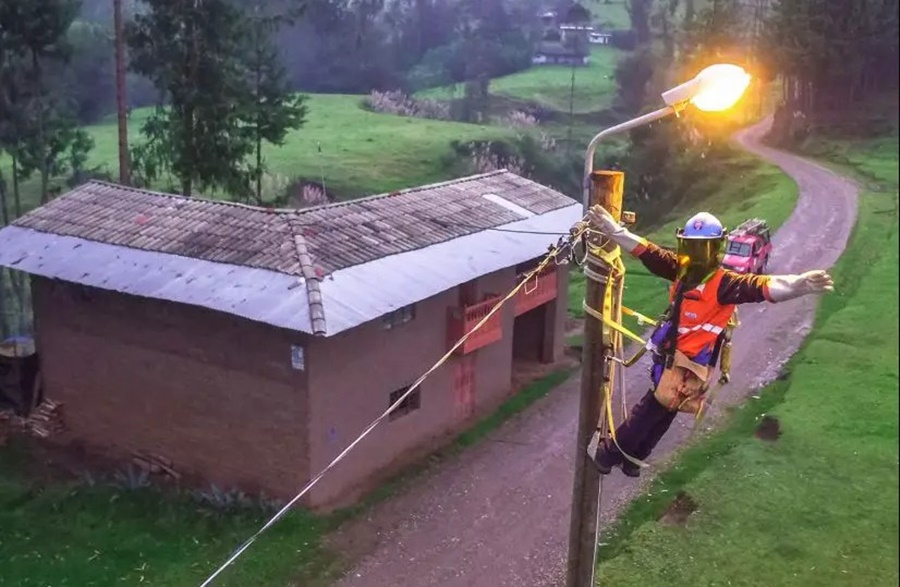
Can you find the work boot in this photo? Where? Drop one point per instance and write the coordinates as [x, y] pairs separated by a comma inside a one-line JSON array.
[[603, 458], [629, 469]]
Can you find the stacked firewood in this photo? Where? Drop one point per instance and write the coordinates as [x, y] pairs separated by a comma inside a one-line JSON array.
[[45, 421], [155, 465]]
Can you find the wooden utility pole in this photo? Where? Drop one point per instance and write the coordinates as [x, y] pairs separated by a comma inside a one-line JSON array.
[[606, 190], [121, 99]]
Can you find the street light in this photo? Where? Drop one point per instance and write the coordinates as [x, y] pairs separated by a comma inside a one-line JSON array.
[[716, 88]]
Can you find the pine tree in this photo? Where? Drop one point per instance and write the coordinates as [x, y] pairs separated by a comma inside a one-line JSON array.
[[225, 94], [271, 110]]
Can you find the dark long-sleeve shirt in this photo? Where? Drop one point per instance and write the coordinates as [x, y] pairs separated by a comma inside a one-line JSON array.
[[734, 288]]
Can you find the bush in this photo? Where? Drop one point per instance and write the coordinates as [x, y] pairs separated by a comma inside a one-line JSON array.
[[530, 155], [400, 104], [624, 39]]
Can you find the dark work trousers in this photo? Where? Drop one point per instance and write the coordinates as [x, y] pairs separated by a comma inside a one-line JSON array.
[[639, 434]]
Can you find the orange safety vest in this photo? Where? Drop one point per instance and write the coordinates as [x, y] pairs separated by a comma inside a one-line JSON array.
[[702, 317]]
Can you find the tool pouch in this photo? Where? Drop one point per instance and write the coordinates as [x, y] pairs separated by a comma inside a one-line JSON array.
[[682, 384]]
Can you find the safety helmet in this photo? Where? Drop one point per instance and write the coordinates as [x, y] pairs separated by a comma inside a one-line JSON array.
[[700, 248]]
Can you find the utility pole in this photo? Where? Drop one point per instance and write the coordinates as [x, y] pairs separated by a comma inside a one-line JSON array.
[[121, 101], [606, 189]]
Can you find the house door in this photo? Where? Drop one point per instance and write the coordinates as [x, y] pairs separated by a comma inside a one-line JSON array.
[[464, 386]]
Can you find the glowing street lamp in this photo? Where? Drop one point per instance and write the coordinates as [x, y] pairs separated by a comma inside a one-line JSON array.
[[716, 88]]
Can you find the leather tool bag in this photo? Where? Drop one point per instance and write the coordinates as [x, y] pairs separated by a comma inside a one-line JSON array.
[[682, 384]]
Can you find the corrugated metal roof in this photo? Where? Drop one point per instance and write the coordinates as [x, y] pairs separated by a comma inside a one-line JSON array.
[[358, 294], [258, 294], [296, 269]]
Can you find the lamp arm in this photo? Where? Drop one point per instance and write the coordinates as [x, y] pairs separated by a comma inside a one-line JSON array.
[[619, 128]]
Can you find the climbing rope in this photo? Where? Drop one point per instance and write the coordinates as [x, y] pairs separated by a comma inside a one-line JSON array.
[[556, 254]]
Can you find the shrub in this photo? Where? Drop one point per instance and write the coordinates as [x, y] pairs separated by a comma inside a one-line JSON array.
[[399, 104]]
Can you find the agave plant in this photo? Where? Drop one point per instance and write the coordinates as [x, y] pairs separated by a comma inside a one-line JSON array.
[[132, 478]]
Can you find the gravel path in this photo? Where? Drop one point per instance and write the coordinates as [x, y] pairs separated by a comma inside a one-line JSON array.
[[498, 514]]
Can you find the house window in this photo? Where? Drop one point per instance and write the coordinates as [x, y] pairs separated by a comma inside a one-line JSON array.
[[410, 403], [399, 317]]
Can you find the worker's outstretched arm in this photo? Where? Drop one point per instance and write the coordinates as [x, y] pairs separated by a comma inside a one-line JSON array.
[[787, 287], [658, 261], [753, 289]]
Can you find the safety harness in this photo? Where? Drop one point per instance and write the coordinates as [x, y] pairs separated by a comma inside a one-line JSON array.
[[610, 316]]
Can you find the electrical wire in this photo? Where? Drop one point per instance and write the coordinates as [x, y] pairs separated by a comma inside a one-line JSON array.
[[552, 255]]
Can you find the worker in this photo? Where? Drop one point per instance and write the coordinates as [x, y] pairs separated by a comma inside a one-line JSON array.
[[702, 298]]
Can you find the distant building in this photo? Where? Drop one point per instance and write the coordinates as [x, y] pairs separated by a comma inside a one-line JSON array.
[[556, 53], [598, 38], [566, 40], [250, 346]]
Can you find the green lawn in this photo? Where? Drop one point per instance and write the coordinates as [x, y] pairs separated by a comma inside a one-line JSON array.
[[66, 534], [820, 505], [610, 14], [549, 85], [761, 190], [362, 152]]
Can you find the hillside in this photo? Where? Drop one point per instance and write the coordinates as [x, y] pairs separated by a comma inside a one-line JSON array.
[[549, 86], [356, 151]]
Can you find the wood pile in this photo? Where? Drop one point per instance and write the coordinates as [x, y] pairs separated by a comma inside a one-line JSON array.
[[45, 421], [155, 465]]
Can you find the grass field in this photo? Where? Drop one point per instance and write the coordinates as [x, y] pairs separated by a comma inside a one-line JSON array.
[[610, 14], [549, 85], [65, 533], [763, 191], [362, 152], [820, 505]]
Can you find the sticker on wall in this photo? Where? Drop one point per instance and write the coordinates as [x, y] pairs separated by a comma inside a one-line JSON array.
[[297, 358]]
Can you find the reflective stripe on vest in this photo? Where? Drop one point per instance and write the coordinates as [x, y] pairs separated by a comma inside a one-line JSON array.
[[707, 327], [702, 317]]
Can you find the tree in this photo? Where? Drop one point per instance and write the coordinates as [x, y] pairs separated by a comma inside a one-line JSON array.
[[832, 55], [37, 127], [271, 110], [225, 93], [196, 136]]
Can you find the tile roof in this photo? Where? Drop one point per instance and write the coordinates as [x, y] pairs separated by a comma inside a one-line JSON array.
[[268, 264], [322, 239]]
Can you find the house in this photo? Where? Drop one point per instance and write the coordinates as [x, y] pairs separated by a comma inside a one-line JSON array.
[[565, 40], [250, 346]]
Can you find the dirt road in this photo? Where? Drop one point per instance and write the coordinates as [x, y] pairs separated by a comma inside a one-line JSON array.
[[498, 514]]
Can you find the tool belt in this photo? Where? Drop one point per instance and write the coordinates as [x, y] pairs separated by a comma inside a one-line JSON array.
[[683, 384]]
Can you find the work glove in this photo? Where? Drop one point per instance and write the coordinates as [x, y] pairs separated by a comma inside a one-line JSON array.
[[788, 287], [604, 223]]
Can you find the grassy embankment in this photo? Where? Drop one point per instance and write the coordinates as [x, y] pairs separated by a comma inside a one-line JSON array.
[[819, 506], [549, 86]]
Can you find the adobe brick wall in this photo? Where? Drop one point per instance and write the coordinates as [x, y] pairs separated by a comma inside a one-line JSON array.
[[353, 374], [213, 392]]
